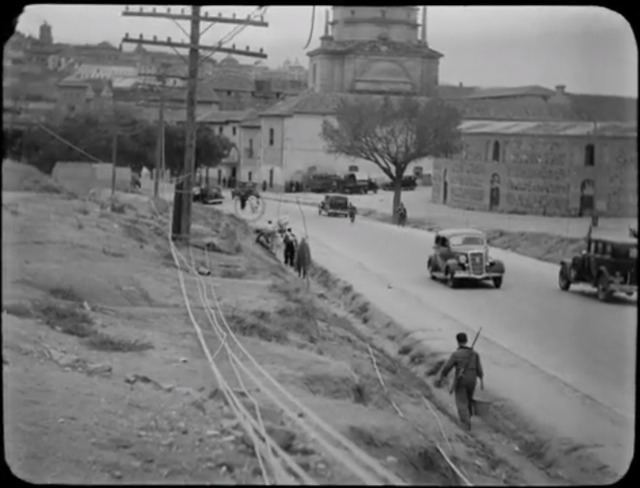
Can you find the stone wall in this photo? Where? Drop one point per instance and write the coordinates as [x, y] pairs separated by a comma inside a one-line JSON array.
[[540, 176]]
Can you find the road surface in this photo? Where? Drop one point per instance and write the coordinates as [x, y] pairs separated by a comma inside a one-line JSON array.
[[566, 360]]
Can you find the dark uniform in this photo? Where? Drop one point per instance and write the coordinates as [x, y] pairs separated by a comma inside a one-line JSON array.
[[289, 248], [467, 360]]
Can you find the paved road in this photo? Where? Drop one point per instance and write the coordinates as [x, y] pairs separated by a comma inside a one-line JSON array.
[[568, 359]]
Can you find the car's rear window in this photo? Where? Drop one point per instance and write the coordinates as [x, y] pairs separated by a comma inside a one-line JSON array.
[[466, 241]]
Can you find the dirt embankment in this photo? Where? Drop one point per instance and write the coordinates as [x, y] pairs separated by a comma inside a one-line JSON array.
[[502, 431], [105, 381]]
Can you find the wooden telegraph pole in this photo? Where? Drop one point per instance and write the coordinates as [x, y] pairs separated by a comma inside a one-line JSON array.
[[160, 144], [181, 224]]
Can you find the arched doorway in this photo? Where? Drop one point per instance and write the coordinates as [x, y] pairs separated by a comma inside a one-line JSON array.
[[445, 186], [587, 197], [494, 192]]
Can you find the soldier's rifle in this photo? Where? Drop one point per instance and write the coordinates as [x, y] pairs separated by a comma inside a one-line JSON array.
[[464, 369]]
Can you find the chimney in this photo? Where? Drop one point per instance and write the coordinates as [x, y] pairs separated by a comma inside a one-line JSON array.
[[560, 89]]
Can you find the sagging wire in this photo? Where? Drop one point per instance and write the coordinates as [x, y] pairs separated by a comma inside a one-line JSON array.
[[268, 440], [372, 465], [363, 474], [236, 406], [313, 19], [223, 336], [68, 143]]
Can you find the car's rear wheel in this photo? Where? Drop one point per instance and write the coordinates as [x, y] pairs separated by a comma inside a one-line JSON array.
[[451, 279], [604, 293], [563, 279], [497, 281]]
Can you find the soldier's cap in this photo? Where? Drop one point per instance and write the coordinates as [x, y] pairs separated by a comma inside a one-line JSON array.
[[461, 338]]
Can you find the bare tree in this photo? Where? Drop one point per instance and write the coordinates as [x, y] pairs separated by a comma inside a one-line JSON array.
[[393, 133]]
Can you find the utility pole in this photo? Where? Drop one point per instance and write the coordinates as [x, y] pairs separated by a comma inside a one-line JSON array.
[[160, 144], [181, 224], [114, 156], [182, 228]]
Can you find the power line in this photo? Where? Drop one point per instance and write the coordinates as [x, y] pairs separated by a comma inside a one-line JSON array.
[[182, 196]]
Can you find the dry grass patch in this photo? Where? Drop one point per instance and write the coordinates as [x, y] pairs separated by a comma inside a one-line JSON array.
[[104, 342], [67, 294], [67, 319]]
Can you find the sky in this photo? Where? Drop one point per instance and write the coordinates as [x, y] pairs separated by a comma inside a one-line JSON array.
[[588, 49]]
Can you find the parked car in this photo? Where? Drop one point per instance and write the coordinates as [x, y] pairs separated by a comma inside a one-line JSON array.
[[609, 263], [334, 205], [408, 183], [208, 195], [463, 254]]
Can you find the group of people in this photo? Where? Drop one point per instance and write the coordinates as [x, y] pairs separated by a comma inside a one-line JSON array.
[[296, 254]]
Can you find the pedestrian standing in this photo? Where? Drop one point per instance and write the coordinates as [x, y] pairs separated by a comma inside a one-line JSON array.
[[303, 258], [467, 370], [289, 247]]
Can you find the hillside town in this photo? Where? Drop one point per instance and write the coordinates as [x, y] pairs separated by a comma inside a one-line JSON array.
[[340, 270]]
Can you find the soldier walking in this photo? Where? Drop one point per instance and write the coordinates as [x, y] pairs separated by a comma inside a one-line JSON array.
[[468, 369]]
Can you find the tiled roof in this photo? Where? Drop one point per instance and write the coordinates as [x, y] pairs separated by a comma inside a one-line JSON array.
[[513, 109], [552, 128], [605, 107], [313, 103], [516, 91], [204, 94], [222, 116], [231, 81], [454, 91]]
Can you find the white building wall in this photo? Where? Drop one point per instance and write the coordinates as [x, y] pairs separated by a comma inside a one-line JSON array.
[[304, 148]]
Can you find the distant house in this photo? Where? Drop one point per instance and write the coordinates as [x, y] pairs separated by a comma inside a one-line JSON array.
[[77, 95]]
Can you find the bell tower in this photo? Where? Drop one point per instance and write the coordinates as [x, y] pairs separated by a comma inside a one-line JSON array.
[[46, 37], [381, 49]]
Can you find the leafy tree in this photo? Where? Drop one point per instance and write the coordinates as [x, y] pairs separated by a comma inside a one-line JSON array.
[[93, 133], [211, 148], [393, 133]]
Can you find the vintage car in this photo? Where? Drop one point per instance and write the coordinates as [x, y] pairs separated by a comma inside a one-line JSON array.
[[463, 254], [609, 263], [334, 205], [208, 195]]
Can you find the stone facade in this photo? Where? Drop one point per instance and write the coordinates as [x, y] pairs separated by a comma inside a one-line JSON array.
[[543, 175]]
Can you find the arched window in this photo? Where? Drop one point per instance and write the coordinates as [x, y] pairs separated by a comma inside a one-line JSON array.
[[589, 155], [495, 153]]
